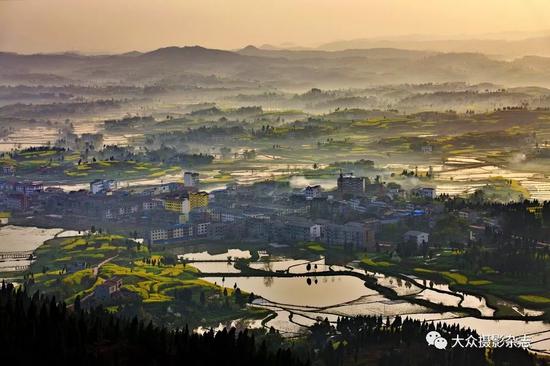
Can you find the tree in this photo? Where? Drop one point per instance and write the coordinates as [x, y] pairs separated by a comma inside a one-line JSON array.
[[238, 296], [76, 305]]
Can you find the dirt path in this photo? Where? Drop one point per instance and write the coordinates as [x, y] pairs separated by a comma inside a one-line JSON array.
[[95, 272]]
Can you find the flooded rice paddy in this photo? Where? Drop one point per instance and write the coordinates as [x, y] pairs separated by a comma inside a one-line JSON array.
[[301, 300]]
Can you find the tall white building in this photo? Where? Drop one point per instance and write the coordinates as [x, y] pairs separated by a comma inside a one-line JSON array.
[[312, 192], [191, 179], [103, 185], [418, 237]]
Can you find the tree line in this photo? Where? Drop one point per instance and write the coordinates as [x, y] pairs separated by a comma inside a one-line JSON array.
[[372, 340], [39, 330]]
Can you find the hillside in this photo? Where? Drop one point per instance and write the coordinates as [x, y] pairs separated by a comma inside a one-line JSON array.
[[282, 68]]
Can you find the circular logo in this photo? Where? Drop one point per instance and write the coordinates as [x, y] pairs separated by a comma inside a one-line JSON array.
[[432, 336], [440, 343]]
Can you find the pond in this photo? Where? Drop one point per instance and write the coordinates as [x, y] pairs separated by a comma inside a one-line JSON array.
[[22, 239], [206, 256], [323, 291], [216, 263], [295, 266], [215, 267]]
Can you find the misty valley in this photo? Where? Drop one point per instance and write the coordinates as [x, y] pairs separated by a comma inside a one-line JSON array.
[[267, 205]]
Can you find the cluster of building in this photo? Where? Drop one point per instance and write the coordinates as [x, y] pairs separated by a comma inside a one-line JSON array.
[[273, 212], [350, 216], [17, 195]]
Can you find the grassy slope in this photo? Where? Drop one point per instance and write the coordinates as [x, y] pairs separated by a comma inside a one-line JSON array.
[[155, 284]]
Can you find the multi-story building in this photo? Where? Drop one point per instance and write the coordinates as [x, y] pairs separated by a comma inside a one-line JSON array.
[[284, 210], [191, 180], [355, 234], [258, 227], [426, 192], [178, 203], [426, 148], [16, 200], [165, 188], [227, 214], [198, 199], [299, 229], [121, 210], [179, 232], [152, 204], [7, 185], [202, 228], [29, 187], [216, 230], [110, 185], [158, 235], [371, 227], [81, 205], [8, 169], [103, 185], [349, 184], [312, 192], [418, 237]]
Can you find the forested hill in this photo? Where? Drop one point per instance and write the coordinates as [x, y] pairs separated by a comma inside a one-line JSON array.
[[39, 331]]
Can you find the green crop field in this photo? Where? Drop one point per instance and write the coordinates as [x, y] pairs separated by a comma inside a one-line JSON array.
[[147, 275]]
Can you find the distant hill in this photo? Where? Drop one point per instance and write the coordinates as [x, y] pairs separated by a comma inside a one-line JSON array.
[[516, 48], [194, 53], [301, 69], [378, 53]]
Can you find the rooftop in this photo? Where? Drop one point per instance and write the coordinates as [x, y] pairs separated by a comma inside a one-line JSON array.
[[415, 233]]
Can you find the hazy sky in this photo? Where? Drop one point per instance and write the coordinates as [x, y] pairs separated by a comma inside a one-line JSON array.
[[123, 25]]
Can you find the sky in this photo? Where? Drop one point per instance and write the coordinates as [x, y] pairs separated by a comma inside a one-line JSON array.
[[30, 26]]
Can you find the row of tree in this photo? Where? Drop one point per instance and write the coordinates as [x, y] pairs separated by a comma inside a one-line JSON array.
[[366, 340], [37, 330]]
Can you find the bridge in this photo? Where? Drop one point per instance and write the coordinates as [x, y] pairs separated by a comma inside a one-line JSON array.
[[16, 255], [18, 268]]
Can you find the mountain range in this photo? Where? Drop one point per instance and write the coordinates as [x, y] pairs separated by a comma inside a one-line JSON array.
[[287, 68], [535, 46]]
